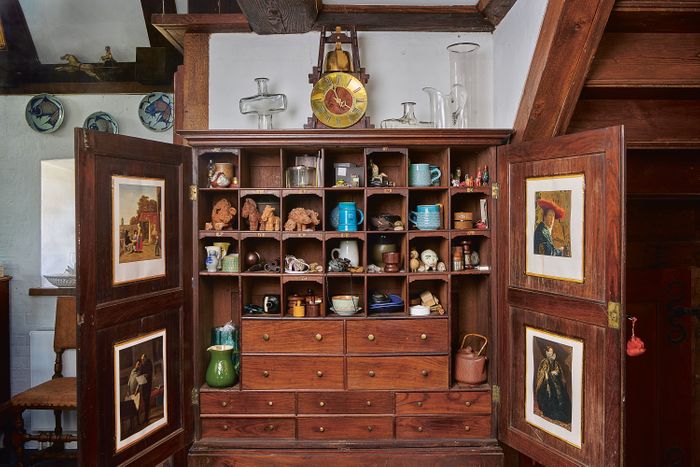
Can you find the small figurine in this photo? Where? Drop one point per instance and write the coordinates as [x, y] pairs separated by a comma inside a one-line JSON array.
[[478, 180], [485, 175], [373, 268], [107, 59], [377, 178], [414, 262], [210, 171], [221, 215], [338, 265], [301, 219], [430, 259], [469, 181], [268, 221], [457, 176], [441, 267], [250, 212]]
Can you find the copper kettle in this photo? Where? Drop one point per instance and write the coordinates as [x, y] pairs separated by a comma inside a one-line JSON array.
[[470, 366]]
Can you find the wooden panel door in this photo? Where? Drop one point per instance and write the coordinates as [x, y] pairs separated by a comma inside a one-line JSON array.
[[134, 230], [560, 296]]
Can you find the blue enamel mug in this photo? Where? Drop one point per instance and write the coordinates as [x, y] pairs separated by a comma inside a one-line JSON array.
[[423, 174], [426, 217], [349, 217]]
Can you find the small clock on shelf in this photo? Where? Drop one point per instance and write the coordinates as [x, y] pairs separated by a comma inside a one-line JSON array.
[[338, 98]]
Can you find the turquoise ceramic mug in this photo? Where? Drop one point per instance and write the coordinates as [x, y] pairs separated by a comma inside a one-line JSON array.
[[423, 174], [349, 217], [426, 217]]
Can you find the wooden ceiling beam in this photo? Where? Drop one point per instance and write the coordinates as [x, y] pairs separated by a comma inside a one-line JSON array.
[[19, 55], [174, 27], [655, 16], [280, 16], [569, 38], [153, 8], [405, 18], [495, 10]]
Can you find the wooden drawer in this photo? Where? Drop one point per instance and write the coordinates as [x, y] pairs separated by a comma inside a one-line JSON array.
[[453, 402], [247, 428], [345, 402], [477, 426], [345, 427], [379, 336], [230, 402], [303, 336], [280, 372], [428, 372]]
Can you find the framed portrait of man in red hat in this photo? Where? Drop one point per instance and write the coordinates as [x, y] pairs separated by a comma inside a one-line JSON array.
[[555, 227]]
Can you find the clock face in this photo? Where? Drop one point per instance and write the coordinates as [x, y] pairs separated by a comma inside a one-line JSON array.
[[338, 100]]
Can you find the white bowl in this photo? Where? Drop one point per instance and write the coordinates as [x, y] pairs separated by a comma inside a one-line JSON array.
[[419, 310], [345, 303]]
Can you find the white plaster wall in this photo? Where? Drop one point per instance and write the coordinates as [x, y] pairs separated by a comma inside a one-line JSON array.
[[400, 64], [21, 153], [514, 45], [57, 216]]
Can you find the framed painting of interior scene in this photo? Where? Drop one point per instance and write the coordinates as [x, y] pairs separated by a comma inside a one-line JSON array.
[[554, 384], [554, 227], [140, 387], [138, 228]]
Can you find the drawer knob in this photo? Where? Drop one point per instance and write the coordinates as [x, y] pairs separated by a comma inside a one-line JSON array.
[[270, 427], [371, 373], [466, 428], [322, 404], [370, 337], [319, 373], [266, 337], [419, 403], [269, 403], [225, 427], [420, 429], [321, 429], [425, 373], [319, 337], [424, 337], [369, 428], [369, 403], [468, 403], [266, 373], [224, 403]]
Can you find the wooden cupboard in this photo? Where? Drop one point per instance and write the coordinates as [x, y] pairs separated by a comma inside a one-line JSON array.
[[379, 387]]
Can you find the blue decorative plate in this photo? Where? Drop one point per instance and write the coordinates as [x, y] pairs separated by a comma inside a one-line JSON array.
[[101, 121], [44, 113], [156, 111]]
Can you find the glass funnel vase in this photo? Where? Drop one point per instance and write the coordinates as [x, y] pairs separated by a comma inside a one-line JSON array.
[[463, 84], [438, 107], [263, 104]]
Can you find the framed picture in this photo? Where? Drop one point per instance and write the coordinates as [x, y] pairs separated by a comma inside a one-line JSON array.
[[554, 384], [138, 229], [140, 387], [554, 227]]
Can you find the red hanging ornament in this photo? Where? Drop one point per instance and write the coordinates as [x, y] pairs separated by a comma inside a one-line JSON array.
[[635, 346]]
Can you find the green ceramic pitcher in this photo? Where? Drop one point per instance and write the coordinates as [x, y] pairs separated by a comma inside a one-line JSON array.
[[220, 373]]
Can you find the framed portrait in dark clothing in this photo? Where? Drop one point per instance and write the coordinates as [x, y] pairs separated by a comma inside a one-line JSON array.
[[554, 384]]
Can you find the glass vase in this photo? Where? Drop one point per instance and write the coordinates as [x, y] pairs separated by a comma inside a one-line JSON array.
[[408, 120], [263, 104], [463, 84], [438, 107]]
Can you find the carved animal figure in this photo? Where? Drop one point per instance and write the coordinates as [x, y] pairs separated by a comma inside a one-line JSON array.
[[75, 65], [250, 212], [268, 220], [301, 219], [221, 215]]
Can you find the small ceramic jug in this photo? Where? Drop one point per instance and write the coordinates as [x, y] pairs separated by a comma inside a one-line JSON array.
[[220, 372], [213, 257]]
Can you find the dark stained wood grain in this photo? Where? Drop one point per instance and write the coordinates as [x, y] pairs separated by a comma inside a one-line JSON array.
[[655, 16], [420, 372], [285, 372], [382, 336], [343, 428], [152, 8], [280, 16], [350, 402], [478, 426], [320, 337], [646, 59], [261, 428], [404, 18], [103, 87], [648, 123], [643, 173], [213, 6], [567, 43], [179, 108], [18, 57], [195, 81], [175, 27], [234, 402], [495, 10], [51, 291], [428, 403]]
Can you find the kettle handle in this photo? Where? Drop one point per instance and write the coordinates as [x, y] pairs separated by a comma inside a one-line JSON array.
[[486, 341]]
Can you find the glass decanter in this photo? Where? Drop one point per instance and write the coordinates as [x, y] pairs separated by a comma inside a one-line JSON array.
[[263, 104], [408, 120]]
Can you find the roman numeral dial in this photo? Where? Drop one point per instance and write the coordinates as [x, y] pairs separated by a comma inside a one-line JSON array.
[[338, 100]]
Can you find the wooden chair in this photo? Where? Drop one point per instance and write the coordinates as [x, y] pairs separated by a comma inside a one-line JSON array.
[[58, 394]]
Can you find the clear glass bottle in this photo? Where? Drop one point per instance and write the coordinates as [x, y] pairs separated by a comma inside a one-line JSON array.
[[463, 81], [408, 120], [263, 104]]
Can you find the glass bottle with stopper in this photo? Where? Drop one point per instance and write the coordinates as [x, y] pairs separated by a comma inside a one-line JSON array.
[[263, 104]]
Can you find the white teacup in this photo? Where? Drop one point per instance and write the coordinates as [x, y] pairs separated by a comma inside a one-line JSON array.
[[345, 303]]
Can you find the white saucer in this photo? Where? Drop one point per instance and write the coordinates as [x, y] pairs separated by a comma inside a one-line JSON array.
[[346, 313]]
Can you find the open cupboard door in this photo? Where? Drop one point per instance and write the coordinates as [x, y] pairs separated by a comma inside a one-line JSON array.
[[134, 300], [560, 298]]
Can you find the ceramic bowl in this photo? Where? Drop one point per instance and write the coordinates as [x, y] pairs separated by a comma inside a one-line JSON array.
[[346, 303], [419, 310]]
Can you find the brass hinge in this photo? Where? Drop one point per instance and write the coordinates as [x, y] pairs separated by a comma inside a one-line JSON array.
[[195, 396], [496, 394], [614, 315], [494, 190], [193, 193]]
